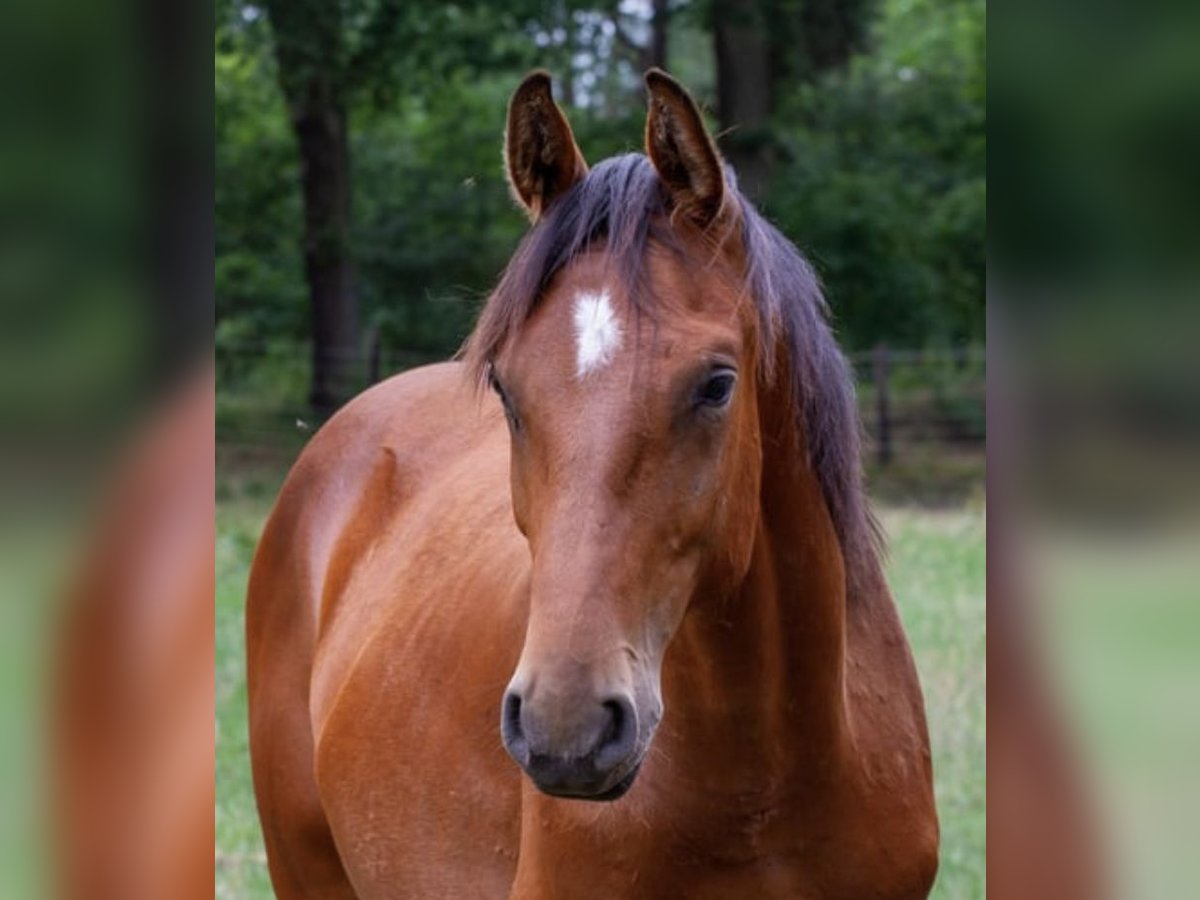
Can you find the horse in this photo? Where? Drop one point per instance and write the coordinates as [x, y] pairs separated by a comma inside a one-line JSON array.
[[597, 609]]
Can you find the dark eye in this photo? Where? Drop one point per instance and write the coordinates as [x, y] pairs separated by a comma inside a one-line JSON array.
[[509, 412], [717, 389]]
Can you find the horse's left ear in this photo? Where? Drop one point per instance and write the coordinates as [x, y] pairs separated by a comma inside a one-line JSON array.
[[540, 152], [682, 150]]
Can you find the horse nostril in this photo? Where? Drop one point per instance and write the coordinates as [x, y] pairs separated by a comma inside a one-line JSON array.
[[616, 722], [511, 729], [619, 736]]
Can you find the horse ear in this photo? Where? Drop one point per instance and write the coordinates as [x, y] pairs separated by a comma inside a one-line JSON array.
[[540, 153], [682, 150]]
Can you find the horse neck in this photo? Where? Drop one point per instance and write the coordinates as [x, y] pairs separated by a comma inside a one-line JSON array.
[[762, 671]]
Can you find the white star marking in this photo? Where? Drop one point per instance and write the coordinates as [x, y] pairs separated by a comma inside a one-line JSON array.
[[597, 331]]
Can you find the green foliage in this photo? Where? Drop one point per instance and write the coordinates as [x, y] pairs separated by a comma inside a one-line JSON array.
[[434, 224], [878, 165], [959, 399], [937, 568], [882, 179], [259, 284]]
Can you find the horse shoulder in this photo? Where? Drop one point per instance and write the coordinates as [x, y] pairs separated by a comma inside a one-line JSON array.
[[416, 618], [358, 474], [323, 494]]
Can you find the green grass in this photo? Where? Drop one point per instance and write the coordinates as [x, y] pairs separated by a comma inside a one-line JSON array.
[[936, 568], [241, 860]]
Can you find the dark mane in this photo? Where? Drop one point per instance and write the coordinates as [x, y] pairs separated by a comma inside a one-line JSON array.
[[623, 203]]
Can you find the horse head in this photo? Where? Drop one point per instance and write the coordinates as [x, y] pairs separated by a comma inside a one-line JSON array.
[[630, 394]]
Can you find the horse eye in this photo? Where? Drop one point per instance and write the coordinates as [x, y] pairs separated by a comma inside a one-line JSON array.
[[509, 412], [717, 390]]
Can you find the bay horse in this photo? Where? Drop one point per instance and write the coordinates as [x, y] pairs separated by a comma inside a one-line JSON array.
[[639, 570]]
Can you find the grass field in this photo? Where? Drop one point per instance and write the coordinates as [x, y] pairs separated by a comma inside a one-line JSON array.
[[936, 568]]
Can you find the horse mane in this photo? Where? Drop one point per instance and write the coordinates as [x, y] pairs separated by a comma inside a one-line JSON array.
[[623, 203]]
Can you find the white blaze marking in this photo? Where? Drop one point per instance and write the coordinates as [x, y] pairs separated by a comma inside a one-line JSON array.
[[597, 331]]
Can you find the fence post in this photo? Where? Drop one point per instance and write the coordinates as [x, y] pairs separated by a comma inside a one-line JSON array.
[[883, 428]]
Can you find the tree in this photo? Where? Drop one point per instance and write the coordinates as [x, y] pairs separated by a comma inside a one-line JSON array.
[[764, 46], [745, 88], [329, 53], [309, 51], [875, 166], [881, 170]]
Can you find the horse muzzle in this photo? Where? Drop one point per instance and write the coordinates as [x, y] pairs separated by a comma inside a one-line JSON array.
[[590, 751]]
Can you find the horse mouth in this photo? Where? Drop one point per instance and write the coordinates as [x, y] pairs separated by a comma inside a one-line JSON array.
[[615, 792], [619, 789]]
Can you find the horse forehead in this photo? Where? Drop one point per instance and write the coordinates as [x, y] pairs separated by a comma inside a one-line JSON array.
[[588, 333], [599, 332], [603, 333]]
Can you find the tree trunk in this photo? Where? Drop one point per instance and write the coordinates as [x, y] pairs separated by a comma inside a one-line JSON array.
[[833, 30], [307, 39], [321, 133], [744, 90], [658, 35]]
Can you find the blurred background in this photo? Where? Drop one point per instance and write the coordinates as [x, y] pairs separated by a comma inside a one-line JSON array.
[[362, 213]]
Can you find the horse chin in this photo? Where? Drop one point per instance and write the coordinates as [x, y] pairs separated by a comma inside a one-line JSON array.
[[619, 789], [614, 792]]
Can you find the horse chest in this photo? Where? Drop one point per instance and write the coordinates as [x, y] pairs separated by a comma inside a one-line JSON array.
[[741, 847], [654, 867]]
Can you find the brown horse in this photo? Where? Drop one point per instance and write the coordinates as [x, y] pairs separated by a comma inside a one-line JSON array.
[[643, 566]]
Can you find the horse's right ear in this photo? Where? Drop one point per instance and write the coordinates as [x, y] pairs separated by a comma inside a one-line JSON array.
[[540, 153]]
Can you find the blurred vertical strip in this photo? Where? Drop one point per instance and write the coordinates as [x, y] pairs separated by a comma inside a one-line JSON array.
[[132, 672], [180, 161], [106, 449], [1094, 438]]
